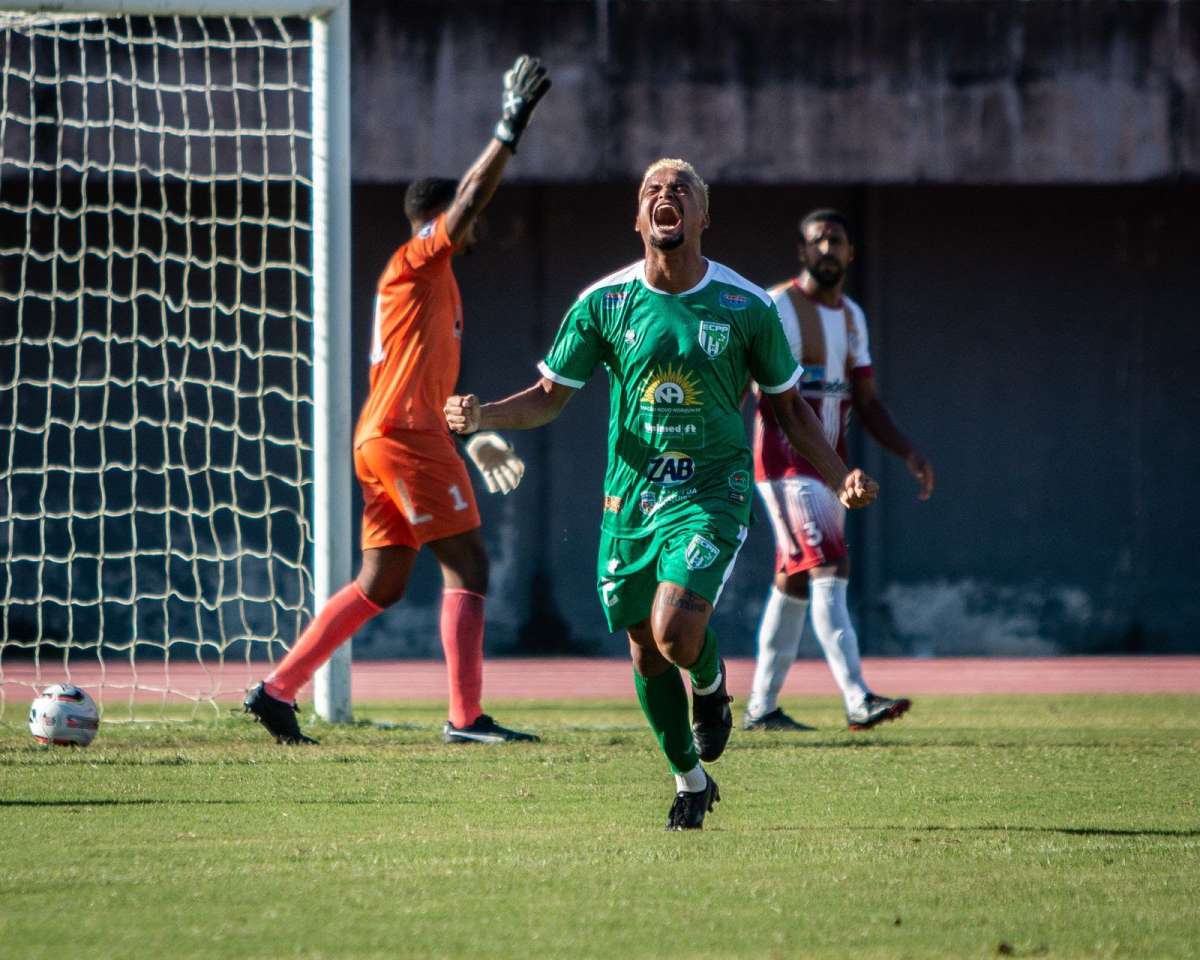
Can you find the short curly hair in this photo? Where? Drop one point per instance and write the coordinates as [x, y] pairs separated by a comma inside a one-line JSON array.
[[426, 198]]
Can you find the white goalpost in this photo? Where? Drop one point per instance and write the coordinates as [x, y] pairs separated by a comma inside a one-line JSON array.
[[174, 343]]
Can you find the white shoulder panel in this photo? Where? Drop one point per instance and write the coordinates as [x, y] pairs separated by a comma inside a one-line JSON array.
[[615, 279], [722, 274]]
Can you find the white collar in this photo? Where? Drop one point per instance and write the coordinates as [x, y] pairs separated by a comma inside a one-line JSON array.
[[703, 280]]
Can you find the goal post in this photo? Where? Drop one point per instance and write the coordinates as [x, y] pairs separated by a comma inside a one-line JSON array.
[[331, 349], [175, 495]]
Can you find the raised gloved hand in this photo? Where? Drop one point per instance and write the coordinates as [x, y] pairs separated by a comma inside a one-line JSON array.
[[524, 86], [501, 468]]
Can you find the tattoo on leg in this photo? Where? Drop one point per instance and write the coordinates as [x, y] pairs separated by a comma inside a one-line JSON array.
[[684, 600]]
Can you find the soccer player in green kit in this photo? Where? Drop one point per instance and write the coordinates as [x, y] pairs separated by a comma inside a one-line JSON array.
[[681, 337]]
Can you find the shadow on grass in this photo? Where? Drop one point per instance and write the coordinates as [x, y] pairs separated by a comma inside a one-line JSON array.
[[1099, 831], [157, 802], [1070, 831], [915, 742]]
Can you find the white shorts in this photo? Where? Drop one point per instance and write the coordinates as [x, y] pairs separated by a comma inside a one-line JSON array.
[[809, 523]]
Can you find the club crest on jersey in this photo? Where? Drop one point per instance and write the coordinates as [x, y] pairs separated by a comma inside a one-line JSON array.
[[700, 553], [734, 301], [670, 469], [714, 337], [647, 502]]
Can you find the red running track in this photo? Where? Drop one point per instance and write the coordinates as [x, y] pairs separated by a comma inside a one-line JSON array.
[[609, 679]]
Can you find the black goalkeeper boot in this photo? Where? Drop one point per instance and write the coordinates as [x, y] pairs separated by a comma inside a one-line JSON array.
[[483, 729], [277, 716]]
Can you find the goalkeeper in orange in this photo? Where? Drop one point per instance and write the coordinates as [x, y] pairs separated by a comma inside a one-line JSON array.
[[416, 489]]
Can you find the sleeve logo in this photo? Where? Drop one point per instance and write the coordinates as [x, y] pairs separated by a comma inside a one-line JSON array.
[[734, 301]]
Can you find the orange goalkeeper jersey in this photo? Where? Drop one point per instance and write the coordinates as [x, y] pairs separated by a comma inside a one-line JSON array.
[[416, 342]]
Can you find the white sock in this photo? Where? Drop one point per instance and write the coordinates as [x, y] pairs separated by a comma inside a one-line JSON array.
[[831, 622], [693, 781], [778, 640]]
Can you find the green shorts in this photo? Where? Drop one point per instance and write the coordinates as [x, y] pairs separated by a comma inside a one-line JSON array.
[[697, 553]]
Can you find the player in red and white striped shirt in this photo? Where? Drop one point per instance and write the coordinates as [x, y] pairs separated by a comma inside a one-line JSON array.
[[827, 332]]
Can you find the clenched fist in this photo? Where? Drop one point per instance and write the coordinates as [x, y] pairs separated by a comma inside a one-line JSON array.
[[857, 490], [462, 413]]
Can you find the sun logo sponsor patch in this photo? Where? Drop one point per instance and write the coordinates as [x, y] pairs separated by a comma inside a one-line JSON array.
[[673, 387], [700, 553], [734, 301], [713, 337]]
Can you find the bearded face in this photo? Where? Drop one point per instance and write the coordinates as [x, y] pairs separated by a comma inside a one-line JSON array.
[[827, 271], [826, 252]]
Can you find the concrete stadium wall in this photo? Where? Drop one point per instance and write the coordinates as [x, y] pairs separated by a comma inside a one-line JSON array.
[[1038, 342], [763, 92], [1024, 176]]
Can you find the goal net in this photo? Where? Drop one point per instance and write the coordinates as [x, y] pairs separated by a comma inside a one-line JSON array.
[[157, 309]]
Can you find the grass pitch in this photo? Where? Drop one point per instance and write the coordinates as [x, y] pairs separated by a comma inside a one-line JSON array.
[[975, 827]]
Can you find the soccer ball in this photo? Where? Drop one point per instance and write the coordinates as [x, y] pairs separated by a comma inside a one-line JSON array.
[[64, 714]]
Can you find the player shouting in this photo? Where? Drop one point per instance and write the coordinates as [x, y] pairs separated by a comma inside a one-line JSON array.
[[680, 336], [827, 333], [416, 490]]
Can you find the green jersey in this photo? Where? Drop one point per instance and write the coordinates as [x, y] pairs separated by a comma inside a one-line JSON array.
[[678, 367]]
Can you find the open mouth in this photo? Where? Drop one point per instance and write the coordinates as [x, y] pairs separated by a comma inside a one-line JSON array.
[[667, 217]]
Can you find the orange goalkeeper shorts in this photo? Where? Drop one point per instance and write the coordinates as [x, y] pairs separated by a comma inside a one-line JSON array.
[[415, 489]]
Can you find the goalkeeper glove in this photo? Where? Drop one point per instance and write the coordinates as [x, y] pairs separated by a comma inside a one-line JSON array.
[[494, 458], [524, 86]]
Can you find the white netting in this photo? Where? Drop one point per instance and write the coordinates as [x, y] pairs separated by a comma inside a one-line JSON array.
[[155, 350]]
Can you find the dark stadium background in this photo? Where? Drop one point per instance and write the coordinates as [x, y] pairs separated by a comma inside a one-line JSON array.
[[1024, 182]]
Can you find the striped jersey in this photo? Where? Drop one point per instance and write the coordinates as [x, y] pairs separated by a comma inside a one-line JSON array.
[[831, 345]]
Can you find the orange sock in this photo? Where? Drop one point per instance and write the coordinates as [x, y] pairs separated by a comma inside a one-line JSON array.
[[335, 623], [462, 640]]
